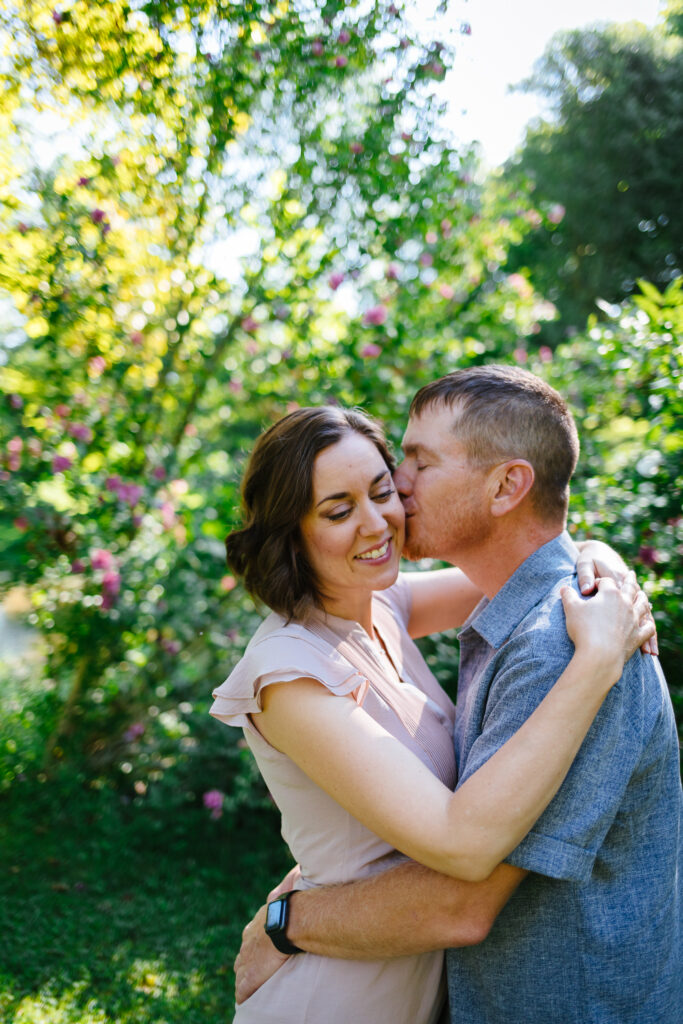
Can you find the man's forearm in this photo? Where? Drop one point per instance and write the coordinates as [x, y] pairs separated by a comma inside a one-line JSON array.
[[409, 909]]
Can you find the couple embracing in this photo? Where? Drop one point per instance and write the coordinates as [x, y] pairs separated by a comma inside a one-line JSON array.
[[533, 830]]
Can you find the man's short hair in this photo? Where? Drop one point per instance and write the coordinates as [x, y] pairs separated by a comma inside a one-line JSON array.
[[504, 412]]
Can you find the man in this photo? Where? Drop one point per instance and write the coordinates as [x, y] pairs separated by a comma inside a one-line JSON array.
[[582, 922]]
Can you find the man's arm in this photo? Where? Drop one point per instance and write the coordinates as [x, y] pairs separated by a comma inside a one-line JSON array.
[[408, 909]]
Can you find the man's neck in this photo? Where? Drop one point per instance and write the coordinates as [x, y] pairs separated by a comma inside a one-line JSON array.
[[491, 565]]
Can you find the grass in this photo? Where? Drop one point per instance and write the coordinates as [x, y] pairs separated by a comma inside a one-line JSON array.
[[115, 913]]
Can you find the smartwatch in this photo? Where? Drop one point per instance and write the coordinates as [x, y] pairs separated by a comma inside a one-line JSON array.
[[277, 915]]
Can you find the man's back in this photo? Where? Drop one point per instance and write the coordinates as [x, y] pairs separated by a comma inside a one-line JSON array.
[[593, 933]]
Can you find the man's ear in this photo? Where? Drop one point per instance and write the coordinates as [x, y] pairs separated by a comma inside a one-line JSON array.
[[510, 482]]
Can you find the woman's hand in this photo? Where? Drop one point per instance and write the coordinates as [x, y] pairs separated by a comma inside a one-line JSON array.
[[612, 624], [597, 561]]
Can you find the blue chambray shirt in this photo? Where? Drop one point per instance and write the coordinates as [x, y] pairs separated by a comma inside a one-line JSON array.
[[593, 935]]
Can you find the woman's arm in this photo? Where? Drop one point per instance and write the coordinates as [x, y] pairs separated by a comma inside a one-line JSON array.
[[467, 833], [443, 598]]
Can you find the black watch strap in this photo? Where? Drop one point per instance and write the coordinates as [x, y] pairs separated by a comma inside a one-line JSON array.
[[277, 916]]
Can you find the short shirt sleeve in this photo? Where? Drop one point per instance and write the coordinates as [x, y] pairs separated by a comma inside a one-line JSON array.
[[565, 840], [280, 657]]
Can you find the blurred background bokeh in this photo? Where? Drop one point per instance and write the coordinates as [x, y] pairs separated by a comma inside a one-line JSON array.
[[211, 212]]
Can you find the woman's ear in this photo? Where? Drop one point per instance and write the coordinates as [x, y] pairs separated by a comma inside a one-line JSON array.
[[511, 482]]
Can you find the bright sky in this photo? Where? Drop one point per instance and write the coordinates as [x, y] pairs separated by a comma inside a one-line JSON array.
[[507, 38]]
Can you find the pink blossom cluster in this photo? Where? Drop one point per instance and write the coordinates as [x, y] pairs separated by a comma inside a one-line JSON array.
[[134, 731], [213, 801], [127, 492], [375, 316], [104, 561]]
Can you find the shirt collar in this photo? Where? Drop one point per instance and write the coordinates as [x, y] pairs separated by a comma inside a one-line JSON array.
[[495, 620]]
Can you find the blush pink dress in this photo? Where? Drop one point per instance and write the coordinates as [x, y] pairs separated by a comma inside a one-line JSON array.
[[398, 690]]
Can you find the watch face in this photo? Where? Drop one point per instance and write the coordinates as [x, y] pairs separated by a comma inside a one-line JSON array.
[[274, 915]]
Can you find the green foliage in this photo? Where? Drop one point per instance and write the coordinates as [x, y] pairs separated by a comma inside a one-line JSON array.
[[260, 209], [605, 171]]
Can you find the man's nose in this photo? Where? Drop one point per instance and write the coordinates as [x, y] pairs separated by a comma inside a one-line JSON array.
[[402, 481]]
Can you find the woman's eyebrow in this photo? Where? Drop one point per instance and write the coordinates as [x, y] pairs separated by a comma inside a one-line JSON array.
[[345, 494]]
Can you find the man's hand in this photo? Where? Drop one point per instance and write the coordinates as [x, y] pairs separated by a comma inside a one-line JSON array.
[[257, 960]]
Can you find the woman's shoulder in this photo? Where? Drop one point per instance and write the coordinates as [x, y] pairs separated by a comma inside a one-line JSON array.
[[280, 652]]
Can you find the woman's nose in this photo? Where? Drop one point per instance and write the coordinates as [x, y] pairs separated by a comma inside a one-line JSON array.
[[373, 519]]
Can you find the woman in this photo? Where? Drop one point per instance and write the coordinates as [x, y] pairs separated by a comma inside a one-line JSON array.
[[351, 731]]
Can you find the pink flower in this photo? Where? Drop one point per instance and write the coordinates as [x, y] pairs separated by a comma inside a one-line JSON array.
[[57, 17], [137, 338], [100, 558], [426, 259], [81, 431], [213, 801], [112, 483], [465, 28], [341, 61], [168, 515], [545, 354], [170, 646], [648, 556], [431, 238], [375, 316], [190, 430], [84, 182], [14, 463], [228, 583], [16, 401], [159, 473], [317, 49], [520, 285], [533, 217], [392, 272], [446, 292], [235, 386], [62, 411], [60, 463], [556, 213], [97, 216], [21, 523], [249, 324], [77, 566], [96, 366], [133, 732], [111, 582], [130, 493], [446, 228], [520, 355], [335, 280], [371, 351], [356, 147], [344, 36], [436, 67], [15, 445]]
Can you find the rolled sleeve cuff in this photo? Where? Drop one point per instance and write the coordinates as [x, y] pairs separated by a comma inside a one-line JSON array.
[[552, 857]]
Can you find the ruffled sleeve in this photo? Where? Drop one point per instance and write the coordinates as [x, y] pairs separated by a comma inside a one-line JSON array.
[[279, 655]]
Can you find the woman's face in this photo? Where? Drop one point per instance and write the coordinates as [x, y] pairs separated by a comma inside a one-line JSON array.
[[353, 534]]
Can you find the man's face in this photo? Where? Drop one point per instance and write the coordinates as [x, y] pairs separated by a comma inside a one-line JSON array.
[[445, 497]]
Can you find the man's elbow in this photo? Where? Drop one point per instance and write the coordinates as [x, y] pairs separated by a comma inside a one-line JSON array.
[[466, 927]]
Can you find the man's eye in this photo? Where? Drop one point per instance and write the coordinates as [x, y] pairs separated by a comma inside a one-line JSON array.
[[420, 468]]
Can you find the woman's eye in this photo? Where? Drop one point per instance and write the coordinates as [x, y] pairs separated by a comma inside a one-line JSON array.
[[384, 495], [336, 516]]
